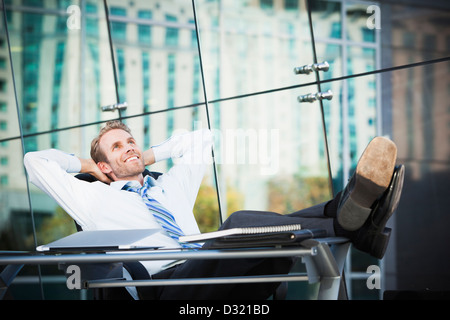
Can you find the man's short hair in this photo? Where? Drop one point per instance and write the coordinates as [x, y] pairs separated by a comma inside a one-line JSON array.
[[96, 153]]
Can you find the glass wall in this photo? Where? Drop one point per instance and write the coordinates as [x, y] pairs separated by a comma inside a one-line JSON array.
[[421, 126], [68, 66]]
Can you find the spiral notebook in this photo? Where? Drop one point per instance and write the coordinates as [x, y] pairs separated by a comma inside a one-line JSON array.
[[283, 238], [239, 231]]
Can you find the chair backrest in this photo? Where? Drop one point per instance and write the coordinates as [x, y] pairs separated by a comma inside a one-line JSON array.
[[90, 178]]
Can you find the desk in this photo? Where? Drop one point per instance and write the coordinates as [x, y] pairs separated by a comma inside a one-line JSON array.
[[324, 259]]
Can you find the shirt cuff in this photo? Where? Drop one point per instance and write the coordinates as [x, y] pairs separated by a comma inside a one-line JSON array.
[[163, 151], [177, 145], [68, 161], [74, 164]]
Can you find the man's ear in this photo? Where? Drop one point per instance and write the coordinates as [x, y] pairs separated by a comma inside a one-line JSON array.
[[104, 167]]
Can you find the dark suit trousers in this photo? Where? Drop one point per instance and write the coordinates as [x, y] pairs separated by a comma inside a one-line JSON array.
[[310, 218]]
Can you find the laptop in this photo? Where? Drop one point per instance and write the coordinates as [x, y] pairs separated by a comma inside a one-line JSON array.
[[102, 240]]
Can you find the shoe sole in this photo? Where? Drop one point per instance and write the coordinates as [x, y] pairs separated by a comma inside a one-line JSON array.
[[374, 171], [372, 177]]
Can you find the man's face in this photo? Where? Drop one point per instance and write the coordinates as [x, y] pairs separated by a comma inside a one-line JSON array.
[[124, 158]]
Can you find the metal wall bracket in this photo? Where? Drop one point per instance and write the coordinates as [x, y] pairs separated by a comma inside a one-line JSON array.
[[311, 97], [307, 69], [116, 106]]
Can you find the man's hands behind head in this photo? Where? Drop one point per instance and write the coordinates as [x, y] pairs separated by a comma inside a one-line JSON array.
[[89, 166]]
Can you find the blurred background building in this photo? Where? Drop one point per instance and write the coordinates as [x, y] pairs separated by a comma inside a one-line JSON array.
[[228, 65]]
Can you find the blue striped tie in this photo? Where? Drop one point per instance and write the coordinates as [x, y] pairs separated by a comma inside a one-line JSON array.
[[161, 214]]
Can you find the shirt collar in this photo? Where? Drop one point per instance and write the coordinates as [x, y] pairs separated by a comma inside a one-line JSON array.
[[118, 185]]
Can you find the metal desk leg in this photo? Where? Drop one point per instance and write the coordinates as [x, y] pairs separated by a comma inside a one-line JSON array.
[[340, 253], [7, 276], [326, 268]]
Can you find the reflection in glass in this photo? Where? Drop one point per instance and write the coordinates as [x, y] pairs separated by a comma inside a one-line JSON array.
[[334, 126], [421, 124], [250, 46], [362, 22], [421, 128], [17, 231], [156, 54], [351, 122], [361, 60], [331, 53], [362, 115], [269, 152], [97, 77], [326, 19], [417, 34], [9, 124], [16, 228], [60, 79], [351, 117]]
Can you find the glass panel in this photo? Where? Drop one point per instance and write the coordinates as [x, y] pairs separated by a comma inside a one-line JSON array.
[[331, 53], [271, 158], [16, 220], [363, 20], [156, 53], [351, 119], [409, 42], [360, 59], [53, 91], [9, 124], [326, 19], [372, 26], [334, 122], [16, 227], [251, 46], [421, 128], [98, 88]]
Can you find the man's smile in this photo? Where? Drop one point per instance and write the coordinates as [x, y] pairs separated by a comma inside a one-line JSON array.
[[131, 158]]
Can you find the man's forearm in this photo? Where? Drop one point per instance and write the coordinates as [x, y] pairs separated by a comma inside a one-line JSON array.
[[87, 165]]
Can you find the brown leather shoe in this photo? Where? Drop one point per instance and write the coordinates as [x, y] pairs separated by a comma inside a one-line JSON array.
[[371, 178]]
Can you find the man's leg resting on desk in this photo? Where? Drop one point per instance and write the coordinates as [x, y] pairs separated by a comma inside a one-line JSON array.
[[360, 213]]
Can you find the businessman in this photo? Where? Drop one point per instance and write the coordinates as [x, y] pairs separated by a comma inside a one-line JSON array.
[[123, 198]]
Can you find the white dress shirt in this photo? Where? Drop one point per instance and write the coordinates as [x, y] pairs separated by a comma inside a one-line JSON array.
[[98, 206]]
